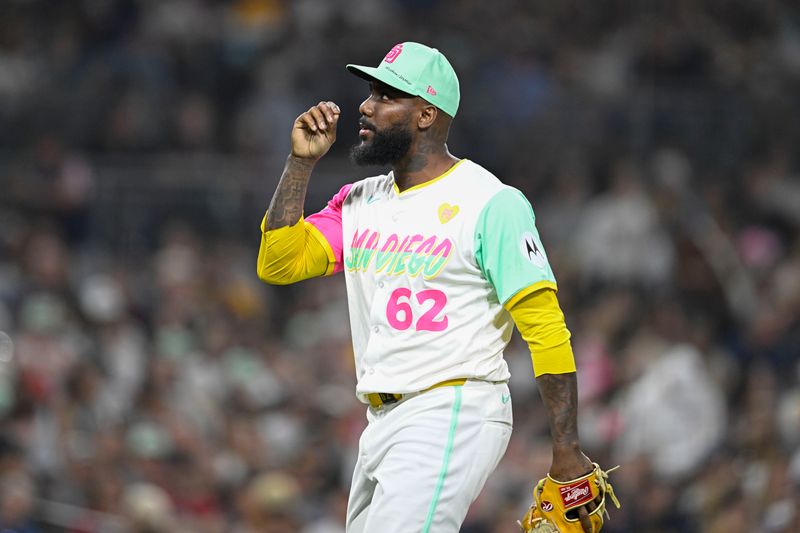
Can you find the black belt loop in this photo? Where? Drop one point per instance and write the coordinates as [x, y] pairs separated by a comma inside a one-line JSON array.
[[387, 398]]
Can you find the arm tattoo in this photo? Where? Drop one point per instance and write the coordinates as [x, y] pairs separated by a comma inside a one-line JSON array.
[[560, 395], [286, 206]]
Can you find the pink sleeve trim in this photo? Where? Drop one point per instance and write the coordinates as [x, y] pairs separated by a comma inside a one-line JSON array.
[[329, 223]]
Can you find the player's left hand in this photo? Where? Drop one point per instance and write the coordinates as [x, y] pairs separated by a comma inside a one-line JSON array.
[[564, 502], [572, 464]]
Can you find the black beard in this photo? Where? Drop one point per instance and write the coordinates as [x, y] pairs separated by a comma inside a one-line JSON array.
[[387, 147]]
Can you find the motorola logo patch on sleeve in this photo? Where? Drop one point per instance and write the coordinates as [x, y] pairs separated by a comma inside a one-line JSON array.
[[531, 250]]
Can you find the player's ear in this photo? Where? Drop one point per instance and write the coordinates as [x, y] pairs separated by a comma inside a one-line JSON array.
[[427, 116]]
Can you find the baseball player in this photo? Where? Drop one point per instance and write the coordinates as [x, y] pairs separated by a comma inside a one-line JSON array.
[[440, 260]]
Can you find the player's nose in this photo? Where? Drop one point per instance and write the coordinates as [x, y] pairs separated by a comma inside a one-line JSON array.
[[366, 107]]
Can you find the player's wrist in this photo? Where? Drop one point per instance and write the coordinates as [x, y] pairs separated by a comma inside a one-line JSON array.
[[567, 448], [569, 455], [569, 463], [301, 162]]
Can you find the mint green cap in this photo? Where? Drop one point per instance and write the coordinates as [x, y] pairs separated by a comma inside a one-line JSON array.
[[418, 70]]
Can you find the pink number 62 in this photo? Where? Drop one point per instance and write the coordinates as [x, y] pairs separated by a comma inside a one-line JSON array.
[[400, 315]]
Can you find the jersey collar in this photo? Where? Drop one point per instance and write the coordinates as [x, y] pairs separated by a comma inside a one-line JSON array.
[[427, 183]]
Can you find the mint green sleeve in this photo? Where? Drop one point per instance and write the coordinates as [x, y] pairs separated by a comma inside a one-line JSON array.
[[508, 249]]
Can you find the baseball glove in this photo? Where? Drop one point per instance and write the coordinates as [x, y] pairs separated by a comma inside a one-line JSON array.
[[555, 503]]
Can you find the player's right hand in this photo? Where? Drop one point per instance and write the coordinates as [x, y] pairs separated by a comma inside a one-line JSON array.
[[315, 131]]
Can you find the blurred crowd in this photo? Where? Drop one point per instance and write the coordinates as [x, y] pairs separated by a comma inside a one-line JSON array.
[[159, 387]]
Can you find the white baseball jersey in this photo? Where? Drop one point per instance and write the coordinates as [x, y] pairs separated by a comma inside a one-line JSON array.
[[428, 270]]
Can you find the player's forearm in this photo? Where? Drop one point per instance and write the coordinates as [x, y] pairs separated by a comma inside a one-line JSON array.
[[560, 395], [286, 206]]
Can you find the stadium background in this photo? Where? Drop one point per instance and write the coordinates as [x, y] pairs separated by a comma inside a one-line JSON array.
[[149, 382]]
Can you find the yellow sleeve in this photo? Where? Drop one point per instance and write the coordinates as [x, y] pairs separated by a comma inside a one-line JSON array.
[[540, 321], [293, 253]]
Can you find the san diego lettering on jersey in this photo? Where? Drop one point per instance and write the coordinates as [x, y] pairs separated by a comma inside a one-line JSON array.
[[412, 255]]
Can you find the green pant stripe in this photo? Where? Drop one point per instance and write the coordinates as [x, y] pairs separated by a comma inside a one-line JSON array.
[[451, 437]]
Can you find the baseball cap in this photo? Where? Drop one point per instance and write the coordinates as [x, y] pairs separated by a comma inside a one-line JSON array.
[[418, 70]]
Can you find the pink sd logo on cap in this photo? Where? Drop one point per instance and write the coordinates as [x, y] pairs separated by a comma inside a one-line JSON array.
[[393, 53]]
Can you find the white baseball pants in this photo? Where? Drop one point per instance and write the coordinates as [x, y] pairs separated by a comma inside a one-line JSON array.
[[424, 460]]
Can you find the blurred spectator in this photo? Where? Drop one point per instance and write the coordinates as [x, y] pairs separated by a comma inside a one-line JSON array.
[[17, 501], [269, 504], [619, 238], [673, 413], [149, 509]]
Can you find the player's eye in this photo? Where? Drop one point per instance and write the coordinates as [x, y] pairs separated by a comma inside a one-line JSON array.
[[379, 93]]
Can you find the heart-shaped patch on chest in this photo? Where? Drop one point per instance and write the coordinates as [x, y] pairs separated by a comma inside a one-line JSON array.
[[447, 212]]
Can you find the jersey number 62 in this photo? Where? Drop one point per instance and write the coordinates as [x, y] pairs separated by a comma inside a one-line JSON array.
[[400, 314]]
